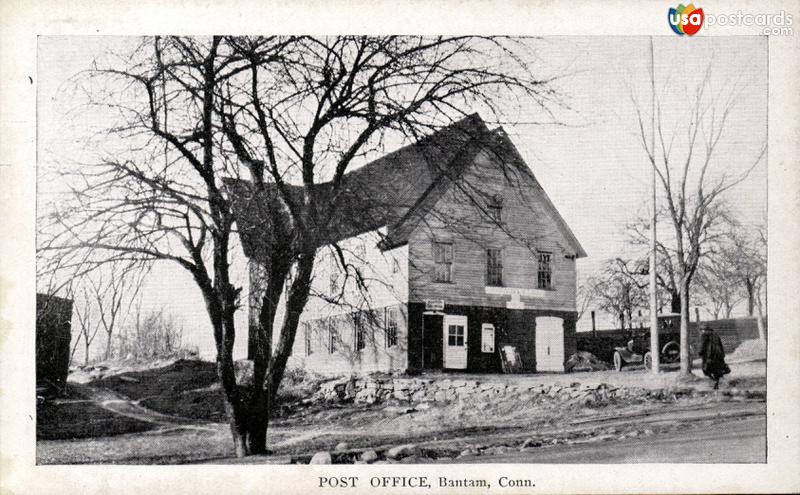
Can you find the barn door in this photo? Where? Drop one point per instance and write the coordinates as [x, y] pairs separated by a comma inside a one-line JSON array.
[[549, 344], [455, 342]]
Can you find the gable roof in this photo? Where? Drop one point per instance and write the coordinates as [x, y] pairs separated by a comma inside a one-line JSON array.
[[394, 191]]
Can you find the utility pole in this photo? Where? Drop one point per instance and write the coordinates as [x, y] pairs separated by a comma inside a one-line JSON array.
[[654, 349]]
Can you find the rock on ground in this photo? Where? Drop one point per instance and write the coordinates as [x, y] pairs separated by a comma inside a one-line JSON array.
[[321, 458], [369, 456], [402, 451]]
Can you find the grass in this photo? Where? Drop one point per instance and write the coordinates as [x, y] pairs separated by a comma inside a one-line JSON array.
[[169, 381], [190, 389], [57, 420]]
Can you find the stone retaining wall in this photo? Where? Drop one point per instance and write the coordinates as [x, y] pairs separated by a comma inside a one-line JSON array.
[[370, 390]]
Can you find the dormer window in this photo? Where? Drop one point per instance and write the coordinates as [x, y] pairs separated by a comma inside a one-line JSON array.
[[495, 213], [494, 208]]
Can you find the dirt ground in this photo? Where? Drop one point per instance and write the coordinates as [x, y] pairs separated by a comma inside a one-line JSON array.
[[172, 415]]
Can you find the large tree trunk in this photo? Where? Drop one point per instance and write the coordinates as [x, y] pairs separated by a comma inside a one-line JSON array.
[[748, 285], [686, 365], [237, 415], [762, 332], [261, 348], [675, 301], [298, 297]]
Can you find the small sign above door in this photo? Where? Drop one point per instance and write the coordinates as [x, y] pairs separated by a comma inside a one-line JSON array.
[[434, 305]]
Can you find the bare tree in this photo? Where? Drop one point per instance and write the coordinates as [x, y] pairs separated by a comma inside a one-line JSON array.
[[691, 184], [353, 90], [89, 325], [616, 292], [114, 291], [738, 266], [287, 110], [152, 333]]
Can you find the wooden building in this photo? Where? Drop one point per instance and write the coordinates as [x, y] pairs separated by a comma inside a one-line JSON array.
[[448, 250]]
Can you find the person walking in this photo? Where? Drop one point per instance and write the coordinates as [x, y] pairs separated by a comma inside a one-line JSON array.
[[713, 354]]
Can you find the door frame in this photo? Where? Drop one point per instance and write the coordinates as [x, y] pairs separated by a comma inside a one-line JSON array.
[[458, 319]]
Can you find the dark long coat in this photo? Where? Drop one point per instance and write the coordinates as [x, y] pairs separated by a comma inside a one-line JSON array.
[[713, 354]]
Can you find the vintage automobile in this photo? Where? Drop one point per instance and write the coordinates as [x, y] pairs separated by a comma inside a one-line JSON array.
[[637, 351]]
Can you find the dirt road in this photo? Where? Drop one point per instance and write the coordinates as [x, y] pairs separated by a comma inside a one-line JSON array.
[[739, 441]]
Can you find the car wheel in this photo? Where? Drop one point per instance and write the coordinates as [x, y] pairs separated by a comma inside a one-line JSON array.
[[618, 363], [671, 352], [648, 361]]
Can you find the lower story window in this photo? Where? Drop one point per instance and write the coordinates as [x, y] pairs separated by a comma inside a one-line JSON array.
[[359, 331], [391, 327], [333, 338], [307, 333]]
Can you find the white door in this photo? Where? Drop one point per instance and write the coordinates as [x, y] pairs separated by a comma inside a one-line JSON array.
[[549, 344], [455, 342]]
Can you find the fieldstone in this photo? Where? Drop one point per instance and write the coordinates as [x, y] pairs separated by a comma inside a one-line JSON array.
[[402, 384], [530, 442], [412, 459], [400, 395], [342, 446], [369, 456], [321, 458], [402, 451]]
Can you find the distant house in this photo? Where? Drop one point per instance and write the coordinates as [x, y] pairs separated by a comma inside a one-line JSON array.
[[459, 251]]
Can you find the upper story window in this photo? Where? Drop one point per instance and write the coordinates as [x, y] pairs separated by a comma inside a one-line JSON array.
[[333, 276], [443, 260], [391, 327], [360, 252], [494, 267], [545, 277], [495, 212], [494, 208]]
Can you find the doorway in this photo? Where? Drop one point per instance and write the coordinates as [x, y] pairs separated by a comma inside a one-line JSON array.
[[549, 344], [454, 336]]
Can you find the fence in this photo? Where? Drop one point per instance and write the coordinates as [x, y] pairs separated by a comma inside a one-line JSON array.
[[732, 331]]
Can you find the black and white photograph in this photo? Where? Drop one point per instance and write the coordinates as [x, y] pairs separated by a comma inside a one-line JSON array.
[[265, 251]]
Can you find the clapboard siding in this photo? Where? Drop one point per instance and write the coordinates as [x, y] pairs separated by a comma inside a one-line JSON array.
[[527, 226], [377, 355]]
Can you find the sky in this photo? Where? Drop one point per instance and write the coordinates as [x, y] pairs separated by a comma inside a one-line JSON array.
[[591, 164]]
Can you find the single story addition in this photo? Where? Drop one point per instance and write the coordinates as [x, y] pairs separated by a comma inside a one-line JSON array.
[[458, 252]]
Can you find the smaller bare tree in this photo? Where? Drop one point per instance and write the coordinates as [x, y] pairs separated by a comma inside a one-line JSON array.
[[617, 293], [88, 323]]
